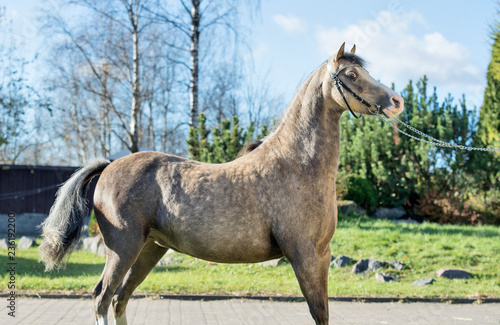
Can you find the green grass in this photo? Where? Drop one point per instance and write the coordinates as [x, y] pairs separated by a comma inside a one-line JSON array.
[[423, 248]]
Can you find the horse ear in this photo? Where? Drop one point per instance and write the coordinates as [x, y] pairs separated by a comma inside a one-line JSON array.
[[340, 52], [353, 49]]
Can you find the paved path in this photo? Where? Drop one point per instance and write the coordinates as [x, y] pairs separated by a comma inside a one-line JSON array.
[[239, 311]]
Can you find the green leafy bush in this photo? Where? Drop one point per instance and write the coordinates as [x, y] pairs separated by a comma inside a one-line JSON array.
[[93, 226], [363, 192]]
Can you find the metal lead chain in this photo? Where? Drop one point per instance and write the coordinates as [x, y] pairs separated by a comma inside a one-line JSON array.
[[434, 142]]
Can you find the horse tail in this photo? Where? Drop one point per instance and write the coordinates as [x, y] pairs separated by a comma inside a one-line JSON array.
[[62, 229]]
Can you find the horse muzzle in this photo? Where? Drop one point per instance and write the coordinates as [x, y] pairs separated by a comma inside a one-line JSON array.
[[396, 108]]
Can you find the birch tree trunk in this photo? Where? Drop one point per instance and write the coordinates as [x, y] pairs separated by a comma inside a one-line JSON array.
[[193, 85], [133, 134]]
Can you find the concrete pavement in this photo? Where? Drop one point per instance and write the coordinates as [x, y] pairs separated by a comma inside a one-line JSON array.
[[242, 311]]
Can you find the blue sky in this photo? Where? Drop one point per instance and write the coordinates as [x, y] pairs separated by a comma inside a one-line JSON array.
[[401, 40]]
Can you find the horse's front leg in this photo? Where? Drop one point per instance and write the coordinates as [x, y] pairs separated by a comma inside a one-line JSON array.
[[311, 269], [323, 267]]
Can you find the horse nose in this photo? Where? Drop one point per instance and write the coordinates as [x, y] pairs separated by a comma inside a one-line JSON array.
[[398, 102]]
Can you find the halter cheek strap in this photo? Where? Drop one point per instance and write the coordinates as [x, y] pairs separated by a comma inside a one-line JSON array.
[[338, 82]]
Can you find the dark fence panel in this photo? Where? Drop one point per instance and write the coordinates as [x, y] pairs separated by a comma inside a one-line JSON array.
[[32, 189]]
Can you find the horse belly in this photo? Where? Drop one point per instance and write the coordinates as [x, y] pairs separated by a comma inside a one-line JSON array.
[[234, 252], [224, 242]]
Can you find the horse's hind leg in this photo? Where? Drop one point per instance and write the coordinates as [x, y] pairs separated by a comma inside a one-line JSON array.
[[123, 248], [148, 258], [311, 269]]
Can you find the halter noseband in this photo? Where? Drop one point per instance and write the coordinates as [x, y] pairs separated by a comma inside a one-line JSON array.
[[339, 82]]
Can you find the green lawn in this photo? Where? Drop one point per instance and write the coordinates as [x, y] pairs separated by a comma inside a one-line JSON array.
[[423, 248]]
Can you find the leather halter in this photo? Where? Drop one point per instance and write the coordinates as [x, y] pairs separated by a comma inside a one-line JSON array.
[[339, 82]]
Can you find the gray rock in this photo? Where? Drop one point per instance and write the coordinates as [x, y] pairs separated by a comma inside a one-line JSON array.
[[423, 282], [271, 262], [85, 231], [374, 264], [385, 277], [4, 244], [101, 249], [390, 213], [360, 267], [95, 245], [347, 207], [360, 211], [166, 261], [90, 242], [395, 264], [453, 274], [275, 262], [25, 242], [365, 265], [341, 261]]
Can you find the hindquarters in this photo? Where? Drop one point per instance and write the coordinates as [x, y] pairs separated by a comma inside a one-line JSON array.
[[126, 207]]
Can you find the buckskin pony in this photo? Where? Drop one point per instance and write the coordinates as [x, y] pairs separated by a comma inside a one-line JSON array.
[[277, 199]]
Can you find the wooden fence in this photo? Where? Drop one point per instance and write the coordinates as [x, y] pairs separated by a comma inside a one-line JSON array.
[[32, 189]]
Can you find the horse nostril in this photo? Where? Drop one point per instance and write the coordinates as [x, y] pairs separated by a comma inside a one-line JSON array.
[[396, 101]]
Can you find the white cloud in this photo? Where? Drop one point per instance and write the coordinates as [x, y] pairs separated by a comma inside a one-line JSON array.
[[396, 52], [290, 23]]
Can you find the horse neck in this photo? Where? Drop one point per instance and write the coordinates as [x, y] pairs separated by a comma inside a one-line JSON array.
[[309, 132]]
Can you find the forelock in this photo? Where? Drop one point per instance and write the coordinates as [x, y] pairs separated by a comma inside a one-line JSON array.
[[354, 59]]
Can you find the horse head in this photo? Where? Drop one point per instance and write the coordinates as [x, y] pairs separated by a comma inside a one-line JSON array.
[[355, 90]]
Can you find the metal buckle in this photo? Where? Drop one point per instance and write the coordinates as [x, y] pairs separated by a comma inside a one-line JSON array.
[[377, 108]]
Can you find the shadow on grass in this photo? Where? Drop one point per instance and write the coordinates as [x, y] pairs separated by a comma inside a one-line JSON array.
[[31, 267], [456, 230], [365, 223], [170, 268]]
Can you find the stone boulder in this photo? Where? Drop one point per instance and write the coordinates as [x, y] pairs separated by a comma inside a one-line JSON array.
[[395, 264], [374, 264], [85, 231], [390, 213], [423, 282], [25, 242], [347, 207], [166, 261], [275, 262], [4, 244], [360, 211], [341, 261], [360, 267], [385, 277], [95, 245], [453, 274], [365, 265]]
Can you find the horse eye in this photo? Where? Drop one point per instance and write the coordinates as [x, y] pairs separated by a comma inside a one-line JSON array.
[[351, 75]]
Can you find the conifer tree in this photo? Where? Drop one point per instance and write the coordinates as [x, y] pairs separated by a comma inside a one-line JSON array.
[[198, 144], [488, 133], [193, 144], [406, 172], [485, 166], [225, 142]]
